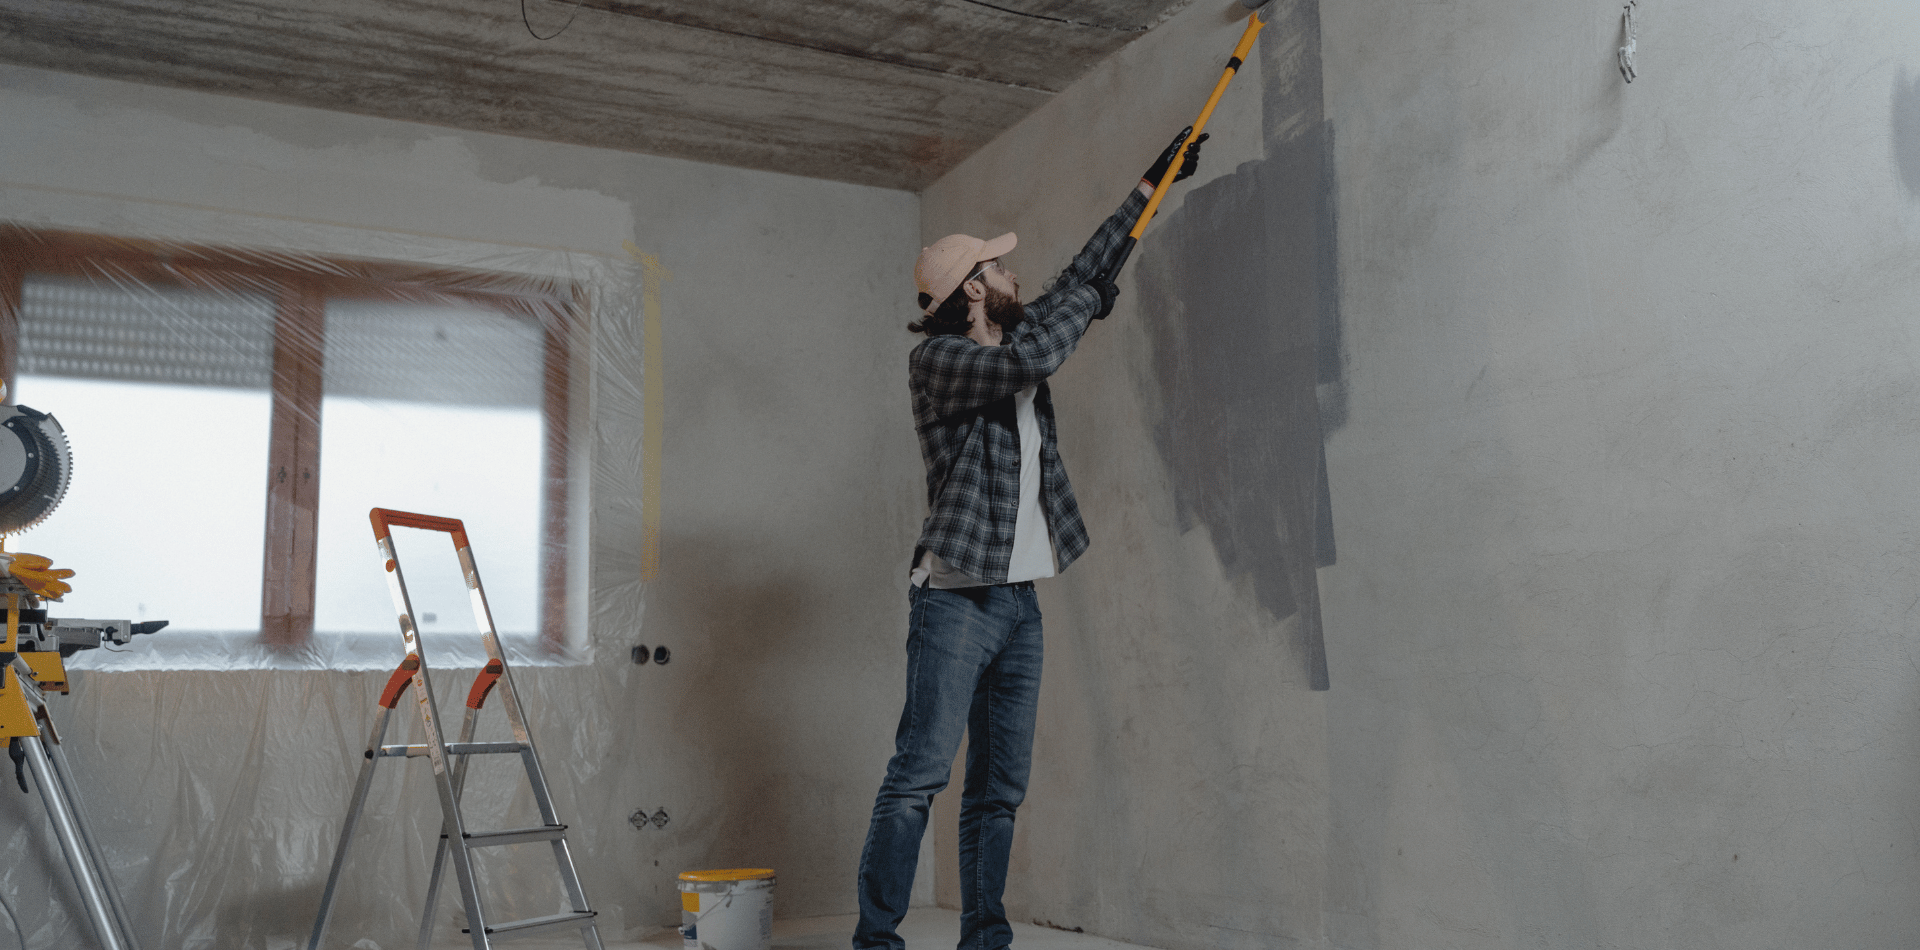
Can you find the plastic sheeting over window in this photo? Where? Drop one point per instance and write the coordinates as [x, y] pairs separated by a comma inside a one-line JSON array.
[[240, 411], [233, 413]]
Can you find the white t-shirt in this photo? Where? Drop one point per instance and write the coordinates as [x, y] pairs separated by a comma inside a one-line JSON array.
[[1032, 542]]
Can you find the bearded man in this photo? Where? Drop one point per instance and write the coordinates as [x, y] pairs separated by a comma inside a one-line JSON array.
[[1002, 516]]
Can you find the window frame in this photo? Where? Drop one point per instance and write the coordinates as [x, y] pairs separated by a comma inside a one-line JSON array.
[[302, 285]]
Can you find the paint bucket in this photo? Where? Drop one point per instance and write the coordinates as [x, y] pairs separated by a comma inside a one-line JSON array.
[[727, 910]]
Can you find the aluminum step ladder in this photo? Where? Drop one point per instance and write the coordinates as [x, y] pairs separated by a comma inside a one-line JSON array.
[[450, 761]]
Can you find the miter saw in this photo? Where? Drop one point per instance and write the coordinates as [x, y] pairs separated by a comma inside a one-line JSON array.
[[35, 466]]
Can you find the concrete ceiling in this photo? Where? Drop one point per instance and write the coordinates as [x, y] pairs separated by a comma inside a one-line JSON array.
[[878, 92]]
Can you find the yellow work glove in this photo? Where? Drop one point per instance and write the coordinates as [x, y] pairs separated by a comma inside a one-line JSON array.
[[40, 576]]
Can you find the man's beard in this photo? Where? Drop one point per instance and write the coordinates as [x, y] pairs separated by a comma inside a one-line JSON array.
[[1005, 311]]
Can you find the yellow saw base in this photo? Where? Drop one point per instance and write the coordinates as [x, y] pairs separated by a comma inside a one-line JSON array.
[[16, 717]]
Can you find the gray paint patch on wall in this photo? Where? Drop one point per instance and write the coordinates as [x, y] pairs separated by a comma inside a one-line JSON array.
[[1241, 298], [1906, 130]]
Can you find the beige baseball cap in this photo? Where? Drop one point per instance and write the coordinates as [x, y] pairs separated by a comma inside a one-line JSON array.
[[945, 263]]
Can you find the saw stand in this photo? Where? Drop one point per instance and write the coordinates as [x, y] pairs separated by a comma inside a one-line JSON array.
[[30, 733]]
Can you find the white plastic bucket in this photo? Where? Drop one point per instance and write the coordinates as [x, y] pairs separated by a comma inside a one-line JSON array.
[[727, 909]]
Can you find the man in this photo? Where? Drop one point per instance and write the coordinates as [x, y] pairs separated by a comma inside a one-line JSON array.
[[1002, 517]]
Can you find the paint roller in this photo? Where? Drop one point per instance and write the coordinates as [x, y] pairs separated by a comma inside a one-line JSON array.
[[1240, 49]]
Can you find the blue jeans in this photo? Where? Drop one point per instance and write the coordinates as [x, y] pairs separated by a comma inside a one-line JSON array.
[[973, 662]]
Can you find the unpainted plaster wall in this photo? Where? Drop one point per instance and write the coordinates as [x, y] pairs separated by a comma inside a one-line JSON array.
[[1179, 791], [1622, 630], [789, 489]]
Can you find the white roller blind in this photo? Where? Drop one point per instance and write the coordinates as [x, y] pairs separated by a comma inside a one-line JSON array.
[[80, 328], [449, 355]]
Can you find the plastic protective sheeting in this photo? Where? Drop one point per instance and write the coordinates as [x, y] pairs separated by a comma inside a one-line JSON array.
[[233, 412], [239, 411]]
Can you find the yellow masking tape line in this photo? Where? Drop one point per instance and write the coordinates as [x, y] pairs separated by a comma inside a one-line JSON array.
[[654, 412]]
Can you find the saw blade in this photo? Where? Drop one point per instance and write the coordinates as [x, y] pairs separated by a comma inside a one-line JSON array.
[[35, 466]]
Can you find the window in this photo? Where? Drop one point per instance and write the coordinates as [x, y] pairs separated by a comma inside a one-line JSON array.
[[234, 414]]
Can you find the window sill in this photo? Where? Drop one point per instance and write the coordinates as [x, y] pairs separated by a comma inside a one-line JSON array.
[[185, 650]]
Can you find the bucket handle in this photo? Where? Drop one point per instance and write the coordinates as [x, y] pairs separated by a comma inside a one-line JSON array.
[[727, 902]]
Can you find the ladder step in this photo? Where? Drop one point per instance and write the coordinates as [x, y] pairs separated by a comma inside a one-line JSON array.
[[457, 748], [534, 925], [488, 839], [486, 748]]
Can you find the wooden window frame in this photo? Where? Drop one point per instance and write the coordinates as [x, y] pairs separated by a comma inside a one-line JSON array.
[[302, 284]]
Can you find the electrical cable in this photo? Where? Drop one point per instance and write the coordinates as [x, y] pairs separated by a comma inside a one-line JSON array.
[[1054, 19], [529, 23], [1631, 31]]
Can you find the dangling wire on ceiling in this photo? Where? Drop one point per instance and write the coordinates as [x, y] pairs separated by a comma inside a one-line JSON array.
[[1632, 33], [1055, 19], [529, 23]]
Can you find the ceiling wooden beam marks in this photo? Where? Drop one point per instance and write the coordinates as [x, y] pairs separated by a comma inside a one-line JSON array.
[[954, 37], [880, 93]]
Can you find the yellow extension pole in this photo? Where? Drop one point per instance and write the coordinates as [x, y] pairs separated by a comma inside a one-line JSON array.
[[1254, 23]]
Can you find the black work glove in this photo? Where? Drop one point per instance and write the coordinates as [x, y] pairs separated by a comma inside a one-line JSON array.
[[1109, 292], [1165, 161]]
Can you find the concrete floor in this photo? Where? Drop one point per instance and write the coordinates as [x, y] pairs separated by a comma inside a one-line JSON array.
[[926, 928]]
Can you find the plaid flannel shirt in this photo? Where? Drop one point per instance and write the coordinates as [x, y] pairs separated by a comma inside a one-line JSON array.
[[963, 411]]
